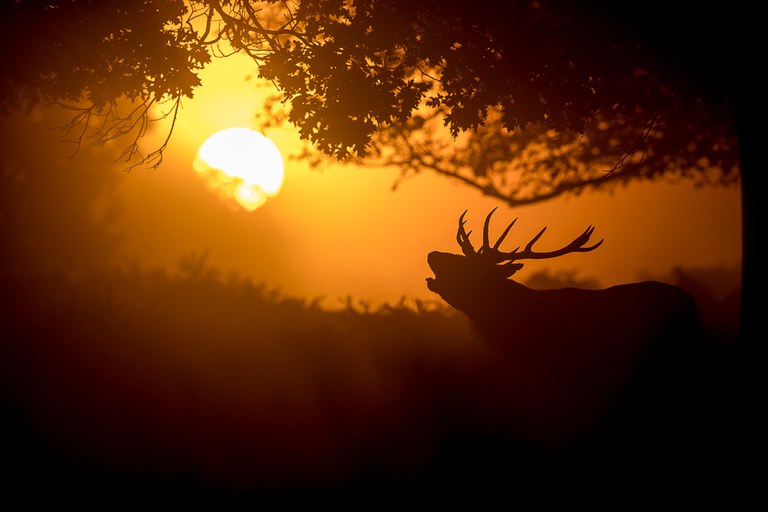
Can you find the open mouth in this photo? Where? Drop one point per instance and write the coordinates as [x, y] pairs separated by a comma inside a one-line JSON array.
[[433, 282]]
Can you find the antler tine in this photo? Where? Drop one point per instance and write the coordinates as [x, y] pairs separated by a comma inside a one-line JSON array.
[[577, 245], [462, 237], [486, 226], [578, 242], [503, 235]]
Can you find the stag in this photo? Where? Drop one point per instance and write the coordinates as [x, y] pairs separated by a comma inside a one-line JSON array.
[[572, 355]]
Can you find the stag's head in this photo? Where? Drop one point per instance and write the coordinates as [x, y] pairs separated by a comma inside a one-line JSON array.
[[458, 277]]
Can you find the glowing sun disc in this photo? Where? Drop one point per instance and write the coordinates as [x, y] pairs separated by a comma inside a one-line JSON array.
[[242, 165]]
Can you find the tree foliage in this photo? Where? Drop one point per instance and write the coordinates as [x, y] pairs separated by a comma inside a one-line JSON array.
[[99, 51], [94, 57], [524, 100]]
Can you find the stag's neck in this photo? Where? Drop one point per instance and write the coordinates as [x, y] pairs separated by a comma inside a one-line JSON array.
[[512, 288], [498, 300]]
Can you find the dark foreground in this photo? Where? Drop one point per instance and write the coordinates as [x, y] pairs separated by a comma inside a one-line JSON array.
[[123, 389]]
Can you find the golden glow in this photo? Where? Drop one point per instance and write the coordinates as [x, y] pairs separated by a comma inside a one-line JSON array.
[[241, 165]]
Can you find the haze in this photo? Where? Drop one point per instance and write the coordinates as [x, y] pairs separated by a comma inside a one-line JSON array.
[[344, 232]]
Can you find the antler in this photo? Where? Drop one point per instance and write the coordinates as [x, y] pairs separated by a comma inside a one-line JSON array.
[[463, 237], [494, 255]]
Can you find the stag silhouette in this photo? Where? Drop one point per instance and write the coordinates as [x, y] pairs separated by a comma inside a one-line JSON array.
[[573, 356]]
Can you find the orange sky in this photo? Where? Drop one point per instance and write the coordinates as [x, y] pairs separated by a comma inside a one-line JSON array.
[[344, 232]]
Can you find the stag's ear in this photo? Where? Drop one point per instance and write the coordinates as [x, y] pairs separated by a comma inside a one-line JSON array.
[[509, 268]]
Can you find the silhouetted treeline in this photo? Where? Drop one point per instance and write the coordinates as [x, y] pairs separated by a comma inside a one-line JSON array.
[[232, 383]]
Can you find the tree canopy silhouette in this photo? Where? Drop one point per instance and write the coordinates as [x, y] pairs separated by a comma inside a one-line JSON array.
[[578, 93], [544, 98], [91, 57]]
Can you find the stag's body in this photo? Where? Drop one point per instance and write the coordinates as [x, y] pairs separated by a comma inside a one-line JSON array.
[[571, 354]]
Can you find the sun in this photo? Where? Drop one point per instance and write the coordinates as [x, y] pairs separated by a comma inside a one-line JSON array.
[[241, 166]]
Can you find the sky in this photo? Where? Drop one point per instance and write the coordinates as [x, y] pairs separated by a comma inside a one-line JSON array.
[[344, 232]]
